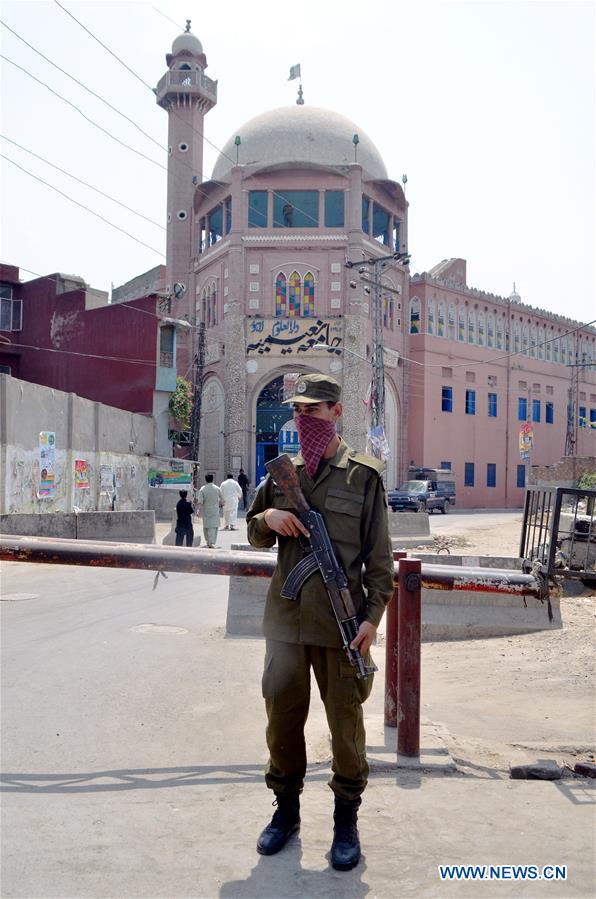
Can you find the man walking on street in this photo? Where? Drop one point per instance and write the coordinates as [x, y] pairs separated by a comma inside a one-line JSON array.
[[347, 488], [210, 499], [244, 484], [231, 492], [184, 528]]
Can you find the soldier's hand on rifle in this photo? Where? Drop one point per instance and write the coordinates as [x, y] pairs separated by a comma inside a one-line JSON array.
[[285, 523], [364, 638]]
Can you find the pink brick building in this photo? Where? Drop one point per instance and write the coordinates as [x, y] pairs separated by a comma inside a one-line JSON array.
[[483, 366]]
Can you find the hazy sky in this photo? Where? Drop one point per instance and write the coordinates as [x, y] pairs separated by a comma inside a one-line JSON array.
[[487, 106]]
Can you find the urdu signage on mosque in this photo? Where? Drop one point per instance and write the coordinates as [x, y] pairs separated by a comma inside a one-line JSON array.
[[291, 336]]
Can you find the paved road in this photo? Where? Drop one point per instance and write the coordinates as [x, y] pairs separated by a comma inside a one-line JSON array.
[[132, 746]]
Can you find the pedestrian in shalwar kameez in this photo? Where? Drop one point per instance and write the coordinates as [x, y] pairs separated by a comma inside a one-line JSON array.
[[232, 493], [210, 500]]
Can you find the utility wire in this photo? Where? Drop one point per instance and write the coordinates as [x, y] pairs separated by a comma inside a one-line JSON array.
[[82, 206], [181, 27], [75, 107], [80, 181], [201, 134], [95, 38], [84, 86]]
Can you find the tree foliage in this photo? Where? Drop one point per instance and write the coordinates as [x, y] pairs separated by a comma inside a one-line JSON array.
[[180, 404], [587, 481]]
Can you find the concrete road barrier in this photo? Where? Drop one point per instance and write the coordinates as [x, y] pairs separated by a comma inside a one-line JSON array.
[[121, 527], [446, 614]]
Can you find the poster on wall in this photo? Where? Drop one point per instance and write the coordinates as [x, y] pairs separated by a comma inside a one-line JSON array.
[[526, 440], [119, 476], [133, 472], [106, 479], [81, 474], [47, 465]]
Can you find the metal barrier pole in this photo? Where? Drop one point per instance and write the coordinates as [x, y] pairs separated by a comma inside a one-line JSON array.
[[391, 654], [408, 657]]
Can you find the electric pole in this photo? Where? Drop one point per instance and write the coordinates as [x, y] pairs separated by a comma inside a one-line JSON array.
[[195, 418], [374, 266]]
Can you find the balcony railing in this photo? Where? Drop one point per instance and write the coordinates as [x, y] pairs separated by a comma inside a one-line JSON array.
[[188, 78]]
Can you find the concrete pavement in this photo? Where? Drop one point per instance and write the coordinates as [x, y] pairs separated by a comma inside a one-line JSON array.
[[133, 753]]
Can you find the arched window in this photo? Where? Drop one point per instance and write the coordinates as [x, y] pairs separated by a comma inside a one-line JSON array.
[[295, 297], [209, 305], [516, 337], [555, 346], [451, 322], [548, 347], [461, 324], [441, 320], [540, 347], [563, 350], [414, 315], [500, 330], [533, 340], [471, 327], [481, 329], [388, 311], [525, 339], [308, 309], [430, 314], [490, 330], [281, 294]]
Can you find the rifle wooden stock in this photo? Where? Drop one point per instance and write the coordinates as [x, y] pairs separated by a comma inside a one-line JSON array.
[[285, 476]]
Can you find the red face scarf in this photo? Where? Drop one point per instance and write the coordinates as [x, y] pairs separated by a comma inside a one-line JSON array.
[[314, 435]]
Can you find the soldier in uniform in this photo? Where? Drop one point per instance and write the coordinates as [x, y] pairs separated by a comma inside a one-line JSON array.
[[346, 487]]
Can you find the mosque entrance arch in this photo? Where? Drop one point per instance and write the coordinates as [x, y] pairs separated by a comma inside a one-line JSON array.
[[274, 431]]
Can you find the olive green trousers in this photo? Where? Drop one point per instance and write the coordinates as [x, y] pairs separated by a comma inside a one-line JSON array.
[[286, 690]]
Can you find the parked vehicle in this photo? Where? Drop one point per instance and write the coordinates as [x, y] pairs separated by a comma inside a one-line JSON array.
[[423, 495]]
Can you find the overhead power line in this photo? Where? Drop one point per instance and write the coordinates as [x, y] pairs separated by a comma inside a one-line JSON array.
[[201, 134], [106, 48], [85, 183], [84, 86], [80, 111], [82, 206]]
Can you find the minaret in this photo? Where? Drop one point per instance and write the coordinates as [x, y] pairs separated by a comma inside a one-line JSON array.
[[187, 94]]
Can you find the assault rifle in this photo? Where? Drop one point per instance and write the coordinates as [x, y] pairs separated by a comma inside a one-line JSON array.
[[320, 557]]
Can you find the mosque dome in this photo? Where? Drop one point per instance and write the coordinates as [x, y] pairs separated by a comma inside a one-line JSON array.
[[188, 42], [301, 135]]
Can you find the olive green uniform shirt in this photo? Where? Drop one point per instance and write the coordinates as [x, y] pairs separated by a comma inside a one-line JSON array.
[[350, 495]]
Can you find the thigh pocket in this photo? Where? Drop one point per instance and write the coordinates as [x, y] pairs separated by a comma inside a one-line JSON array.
[[352, 687]]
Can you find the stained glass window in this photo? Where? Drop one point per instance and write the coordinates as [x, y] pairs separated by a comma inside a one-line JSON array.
[[294, 299], [490, 330], [481, 329], [525, 339], [499, 333], [441, 321], [308, 308], [471, 327], [461, 324], [451, 322], [281, 294], [388, 312], [430, 314], [414, 315]]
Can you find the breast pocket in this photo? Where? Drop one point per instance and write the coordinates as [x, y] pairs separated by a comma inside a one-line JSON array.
[[344, 502]]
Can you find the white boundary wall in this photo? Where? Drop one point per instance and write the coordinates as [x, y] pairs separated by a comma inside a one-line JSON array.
[[98, 434]]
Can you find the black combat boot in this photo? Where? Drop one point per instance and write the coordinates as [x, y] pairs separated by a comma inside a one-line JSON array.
[[285, 822], [345, 849]]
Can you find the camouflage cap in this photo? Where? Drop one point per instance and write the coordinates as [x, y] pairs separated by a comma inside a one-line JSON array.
[[316, 388]]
